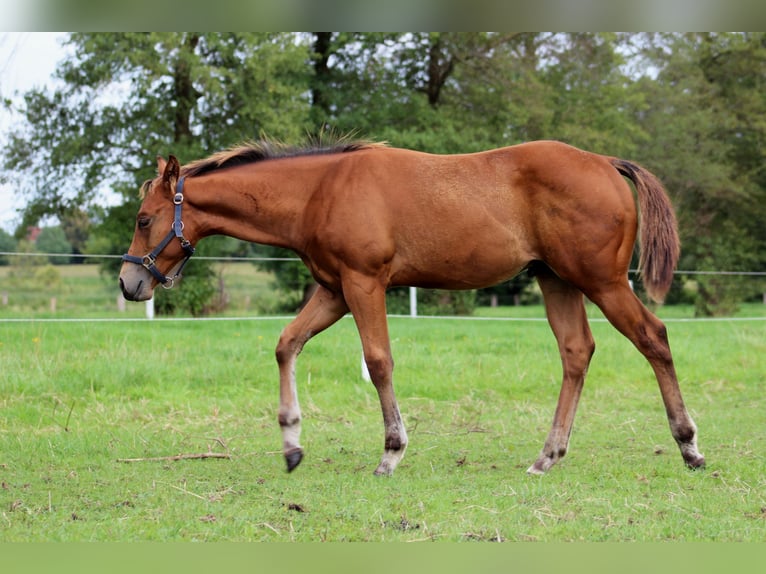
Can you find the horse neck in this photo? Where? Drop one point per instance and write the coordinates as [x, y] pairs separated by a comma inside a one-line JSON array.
[[246, 203]]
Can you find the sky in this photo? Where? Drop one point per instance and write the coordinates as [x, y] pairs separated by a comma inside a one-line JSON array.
[[27, 60]]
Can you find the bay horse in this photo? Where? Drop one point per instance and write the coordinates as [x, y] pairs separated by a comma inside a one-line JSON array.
[[364, 216]]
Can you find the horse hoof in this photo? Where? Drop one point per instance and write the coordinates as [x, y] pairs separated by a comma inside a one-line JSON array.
[[540, 466], [534, 471], [293, 459]]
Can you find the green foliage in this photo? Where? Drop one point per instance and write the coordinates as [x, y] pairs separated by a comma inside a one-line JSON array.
[[729, 248], [191, 295], [54, 240], [133, 95], [431, 302], [707, 115], [292, 278], [41, 277]]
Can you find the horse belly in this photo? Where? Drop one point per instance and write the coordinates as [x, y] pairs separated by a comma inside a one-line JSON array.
[[463, 260]]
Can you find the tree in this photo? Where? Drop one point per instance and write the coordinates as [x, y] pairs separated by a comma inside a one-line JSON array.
[[461, 92], [706, 110], [127, 97], [54, 240], [691, 107], [76, 225]]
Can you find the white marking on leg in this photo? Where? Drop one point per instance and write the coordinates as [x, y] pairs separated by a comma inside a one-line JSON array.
[[291, 435], [392, 457]]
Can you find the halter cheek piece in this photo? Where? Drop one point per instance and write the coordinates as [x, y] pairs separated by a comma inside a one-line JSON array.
[[177, 230]]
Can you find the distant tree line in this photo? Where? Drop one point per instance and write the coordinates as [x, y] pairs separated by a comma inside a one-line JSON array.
[[689, 106]]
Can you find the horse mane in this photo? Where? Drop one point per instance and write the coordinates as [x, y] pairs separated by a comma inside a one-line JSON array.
[[265, 149]]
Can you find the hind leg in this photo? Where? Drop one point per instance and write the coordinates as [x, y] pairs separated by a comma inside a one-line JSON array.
[[566, 314], [648, 334]]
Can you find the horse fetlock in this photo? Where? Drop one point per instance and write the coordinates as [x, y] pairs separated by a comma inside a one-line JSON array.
[[548, 457], [289, 420], [291, 434], [685, 434], [395, 443]]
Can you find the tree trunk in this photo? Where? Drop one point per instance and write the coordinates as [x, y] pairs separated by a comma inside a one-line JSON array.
[[321, 48], [184, 93], [440, 66]]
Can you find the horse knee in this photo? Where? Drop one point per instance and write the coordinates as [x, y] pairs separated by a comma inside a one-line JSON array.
[[576, 356], [583, 351]]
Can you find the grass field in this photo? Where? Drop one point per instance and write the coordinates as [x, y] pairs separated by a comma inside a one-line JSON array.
[[477, 397]]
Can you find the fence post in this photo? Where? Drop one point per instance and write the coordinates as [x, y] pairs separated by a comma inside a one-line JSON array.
[[413, 302], [413, 313], [150, 308]]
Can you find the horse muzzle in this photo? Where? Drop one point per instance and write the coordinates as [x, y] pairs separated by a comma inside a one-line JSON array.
[[134, 287]]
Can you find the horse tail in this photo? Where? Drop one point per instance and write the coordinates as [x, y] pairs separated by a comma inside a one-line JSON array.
[[658, 229]]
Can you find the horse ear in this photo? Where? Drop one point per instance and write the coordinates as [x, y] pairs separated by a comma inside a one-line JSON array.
[[161, 163], [171, 170]]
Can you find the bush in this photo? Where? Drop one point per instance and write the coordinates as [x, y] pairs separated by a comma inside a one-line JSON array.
[[431, 302], [191, 294]]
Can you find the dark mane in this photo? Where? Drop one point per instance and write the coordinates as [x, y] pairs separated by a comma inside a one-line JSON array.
[[251, 152]]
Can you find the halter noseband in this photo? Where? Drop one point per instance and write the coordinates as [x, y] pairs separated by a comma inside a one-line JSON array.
[[177, 230]]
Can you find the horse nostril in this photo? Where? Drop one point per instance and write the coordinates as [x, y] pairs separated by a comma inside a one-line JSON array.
[[125, 293], [122, 286]]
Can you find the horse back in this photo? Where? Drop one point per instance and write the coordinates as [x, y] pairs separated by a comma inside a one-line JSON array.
[[472, 220]]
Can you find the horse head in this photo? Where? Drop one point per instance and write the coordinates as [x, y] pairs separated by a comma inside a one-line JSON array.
[[158, 224]]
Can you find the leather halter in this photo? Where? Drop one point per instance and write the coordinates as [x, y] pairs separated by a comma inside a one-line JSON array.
[[176, 230]]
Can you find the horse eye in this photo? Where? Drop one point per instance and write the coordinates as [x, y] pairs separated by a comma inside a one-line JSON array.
[[144, 222]]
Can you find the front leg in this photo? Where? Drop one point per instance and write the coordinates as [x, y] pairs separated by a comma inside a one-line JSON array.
[[366, 297], [322, 310]]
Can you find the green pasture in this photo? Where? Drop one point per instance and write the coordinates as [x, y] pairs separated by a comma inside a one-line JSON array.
[[78, 398]]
